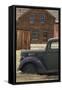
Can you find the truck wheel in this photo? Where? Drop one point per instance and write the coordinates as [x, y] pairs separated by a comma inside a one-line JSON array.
[[29, 68]]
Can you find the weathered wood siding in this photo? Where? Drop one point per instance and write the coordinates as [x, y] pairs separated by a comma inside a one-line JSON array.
[[23, 25]]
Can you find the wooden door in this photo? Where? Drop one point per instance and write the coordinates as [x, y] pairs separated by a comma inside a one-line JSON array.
[[18, 39], [23, 40]]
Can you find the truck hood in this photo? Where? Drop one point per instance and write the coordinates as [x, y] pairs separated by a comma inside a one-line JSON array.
[[39, 50]]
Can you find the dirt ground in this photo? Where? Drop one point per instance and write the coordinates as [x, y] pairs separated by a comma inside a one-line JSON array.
[[20, 77], [33, 77]]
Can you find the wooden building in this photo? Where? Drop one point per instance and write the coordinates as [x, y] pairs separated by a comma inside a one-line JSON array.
[[56, 29], [35, 26]]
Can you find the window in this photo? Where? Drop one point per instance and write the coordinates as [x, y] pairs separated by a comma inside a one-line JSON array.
[[42, 19], [54, 45], [32, 19], [45, 35], [35, 34]]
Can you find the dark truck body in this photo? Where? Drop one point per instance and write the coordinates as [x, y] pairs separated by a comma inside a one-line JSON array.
[[41, 62]]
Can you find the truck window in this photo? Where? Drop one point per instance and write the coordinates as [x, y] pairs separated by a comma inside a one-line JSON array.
[[54, 45]]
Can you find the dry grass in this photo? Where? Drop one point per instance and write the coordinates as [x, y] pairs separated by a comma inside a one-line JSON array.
[[33, 77], [18, 56]]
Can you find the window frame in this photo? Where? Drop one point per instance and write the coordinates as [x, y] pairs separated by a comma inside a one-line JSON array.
[[42, 19], [36, 38], [45, 37], [32, 19]]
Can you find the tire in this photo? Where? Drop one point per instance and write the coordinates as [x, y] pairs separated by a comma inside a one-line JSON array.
[[29, 68]]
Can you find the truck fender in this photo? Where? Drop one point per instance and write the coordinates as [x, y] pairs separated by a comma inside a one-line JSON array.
[[33, 60]]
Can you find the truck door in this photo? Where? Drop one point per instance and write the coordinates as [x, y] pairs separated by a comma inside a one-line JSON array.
[[53, 56]]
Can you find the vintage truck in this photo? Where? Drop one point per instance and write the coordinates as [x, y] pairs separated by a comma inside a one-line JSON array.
[[41, 62]]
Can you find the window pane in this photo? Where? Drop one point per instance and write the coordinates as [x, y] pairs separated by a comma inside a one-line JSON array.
[[45, 35], [35, 34], [55, 45], [42, 19], [32, 19]]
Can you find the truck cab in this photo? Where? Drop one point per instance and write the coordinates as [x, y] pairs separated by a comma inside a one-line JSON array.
[[41, 61]]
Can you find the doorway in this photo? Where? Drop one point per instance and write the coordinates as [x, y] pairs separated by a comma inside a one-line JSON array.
[[23, 39]]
